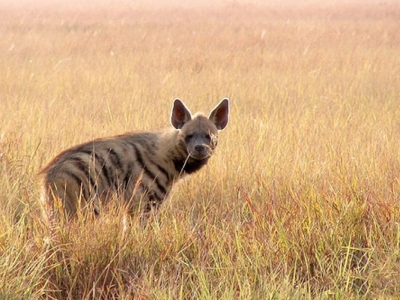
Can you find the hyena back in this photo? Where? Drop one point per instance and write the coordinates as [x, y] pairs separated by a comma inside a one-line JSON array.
[[134, 167]]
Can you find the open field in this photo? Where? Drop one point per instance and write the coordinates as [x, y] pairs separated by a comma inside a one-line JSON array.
[[302, 197]]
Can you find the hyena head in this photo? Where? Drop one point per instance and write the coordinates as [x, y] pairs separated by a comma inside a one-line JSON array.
[[199, 134]]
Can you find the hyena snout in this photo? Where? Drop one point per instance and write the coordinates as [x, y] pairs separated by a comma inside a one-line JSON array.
[[200, 148], [201, 151]]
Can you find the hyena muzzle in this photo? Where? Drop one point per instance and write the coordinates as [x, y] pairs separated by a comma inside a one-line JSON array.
[[135, 168]]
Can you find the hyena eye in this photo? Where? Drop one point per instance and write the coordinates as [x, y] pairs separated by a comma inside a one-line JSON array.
[[189, 136], [208, 137]]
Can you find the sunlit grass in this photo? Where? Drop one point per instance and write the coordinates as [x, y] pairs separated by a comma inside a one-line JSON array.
[[300, 201]]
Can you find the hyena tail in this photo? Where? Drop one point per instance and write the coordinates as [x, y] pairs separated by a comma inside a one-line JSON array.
[[61, 199]]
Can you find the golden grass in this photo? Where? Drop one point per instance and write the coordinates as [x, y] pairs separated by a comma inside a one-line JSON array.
[[301, 200]]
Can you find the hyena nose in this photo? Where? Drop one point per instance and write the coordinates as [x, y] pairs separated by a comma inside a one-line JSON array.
[[199, 148]]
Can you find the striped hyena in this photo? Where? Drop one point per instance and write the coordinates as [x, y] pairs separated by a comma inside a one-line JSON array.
[[134, 167]]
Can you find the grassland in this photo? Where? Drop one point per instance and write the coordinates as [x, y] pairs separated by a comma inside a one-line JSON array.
[[302, 198]]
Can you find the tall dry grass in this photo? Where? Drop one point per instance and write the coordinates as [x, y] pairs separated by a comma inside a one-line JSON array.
[[301, 200]]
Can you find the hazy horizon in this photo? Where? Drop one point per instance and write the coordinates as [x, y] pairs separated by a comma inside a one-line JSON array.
[[187, 4]]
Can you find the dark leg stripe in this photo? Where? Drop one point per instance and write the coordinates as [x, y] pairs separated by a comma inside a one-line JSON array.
[[98, 160], [83, 166], [147, 171], [76, 178], [140, 159], [128, 175], [163, 171], [155, 199], [105, 171], [113, 155], [150, 147], [79, 182]]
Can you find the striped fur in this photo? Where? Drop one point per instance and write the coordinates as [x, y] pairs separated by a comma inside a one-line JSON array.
[[134, 167]]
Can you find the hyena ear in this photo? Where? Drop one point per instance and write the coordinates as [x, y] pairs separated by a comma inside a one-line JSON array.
[[180, 114], [220, 114]]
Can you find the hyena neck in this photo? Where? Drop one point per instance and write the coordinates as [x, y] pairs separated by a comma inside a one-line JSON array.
[[183, 166]]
